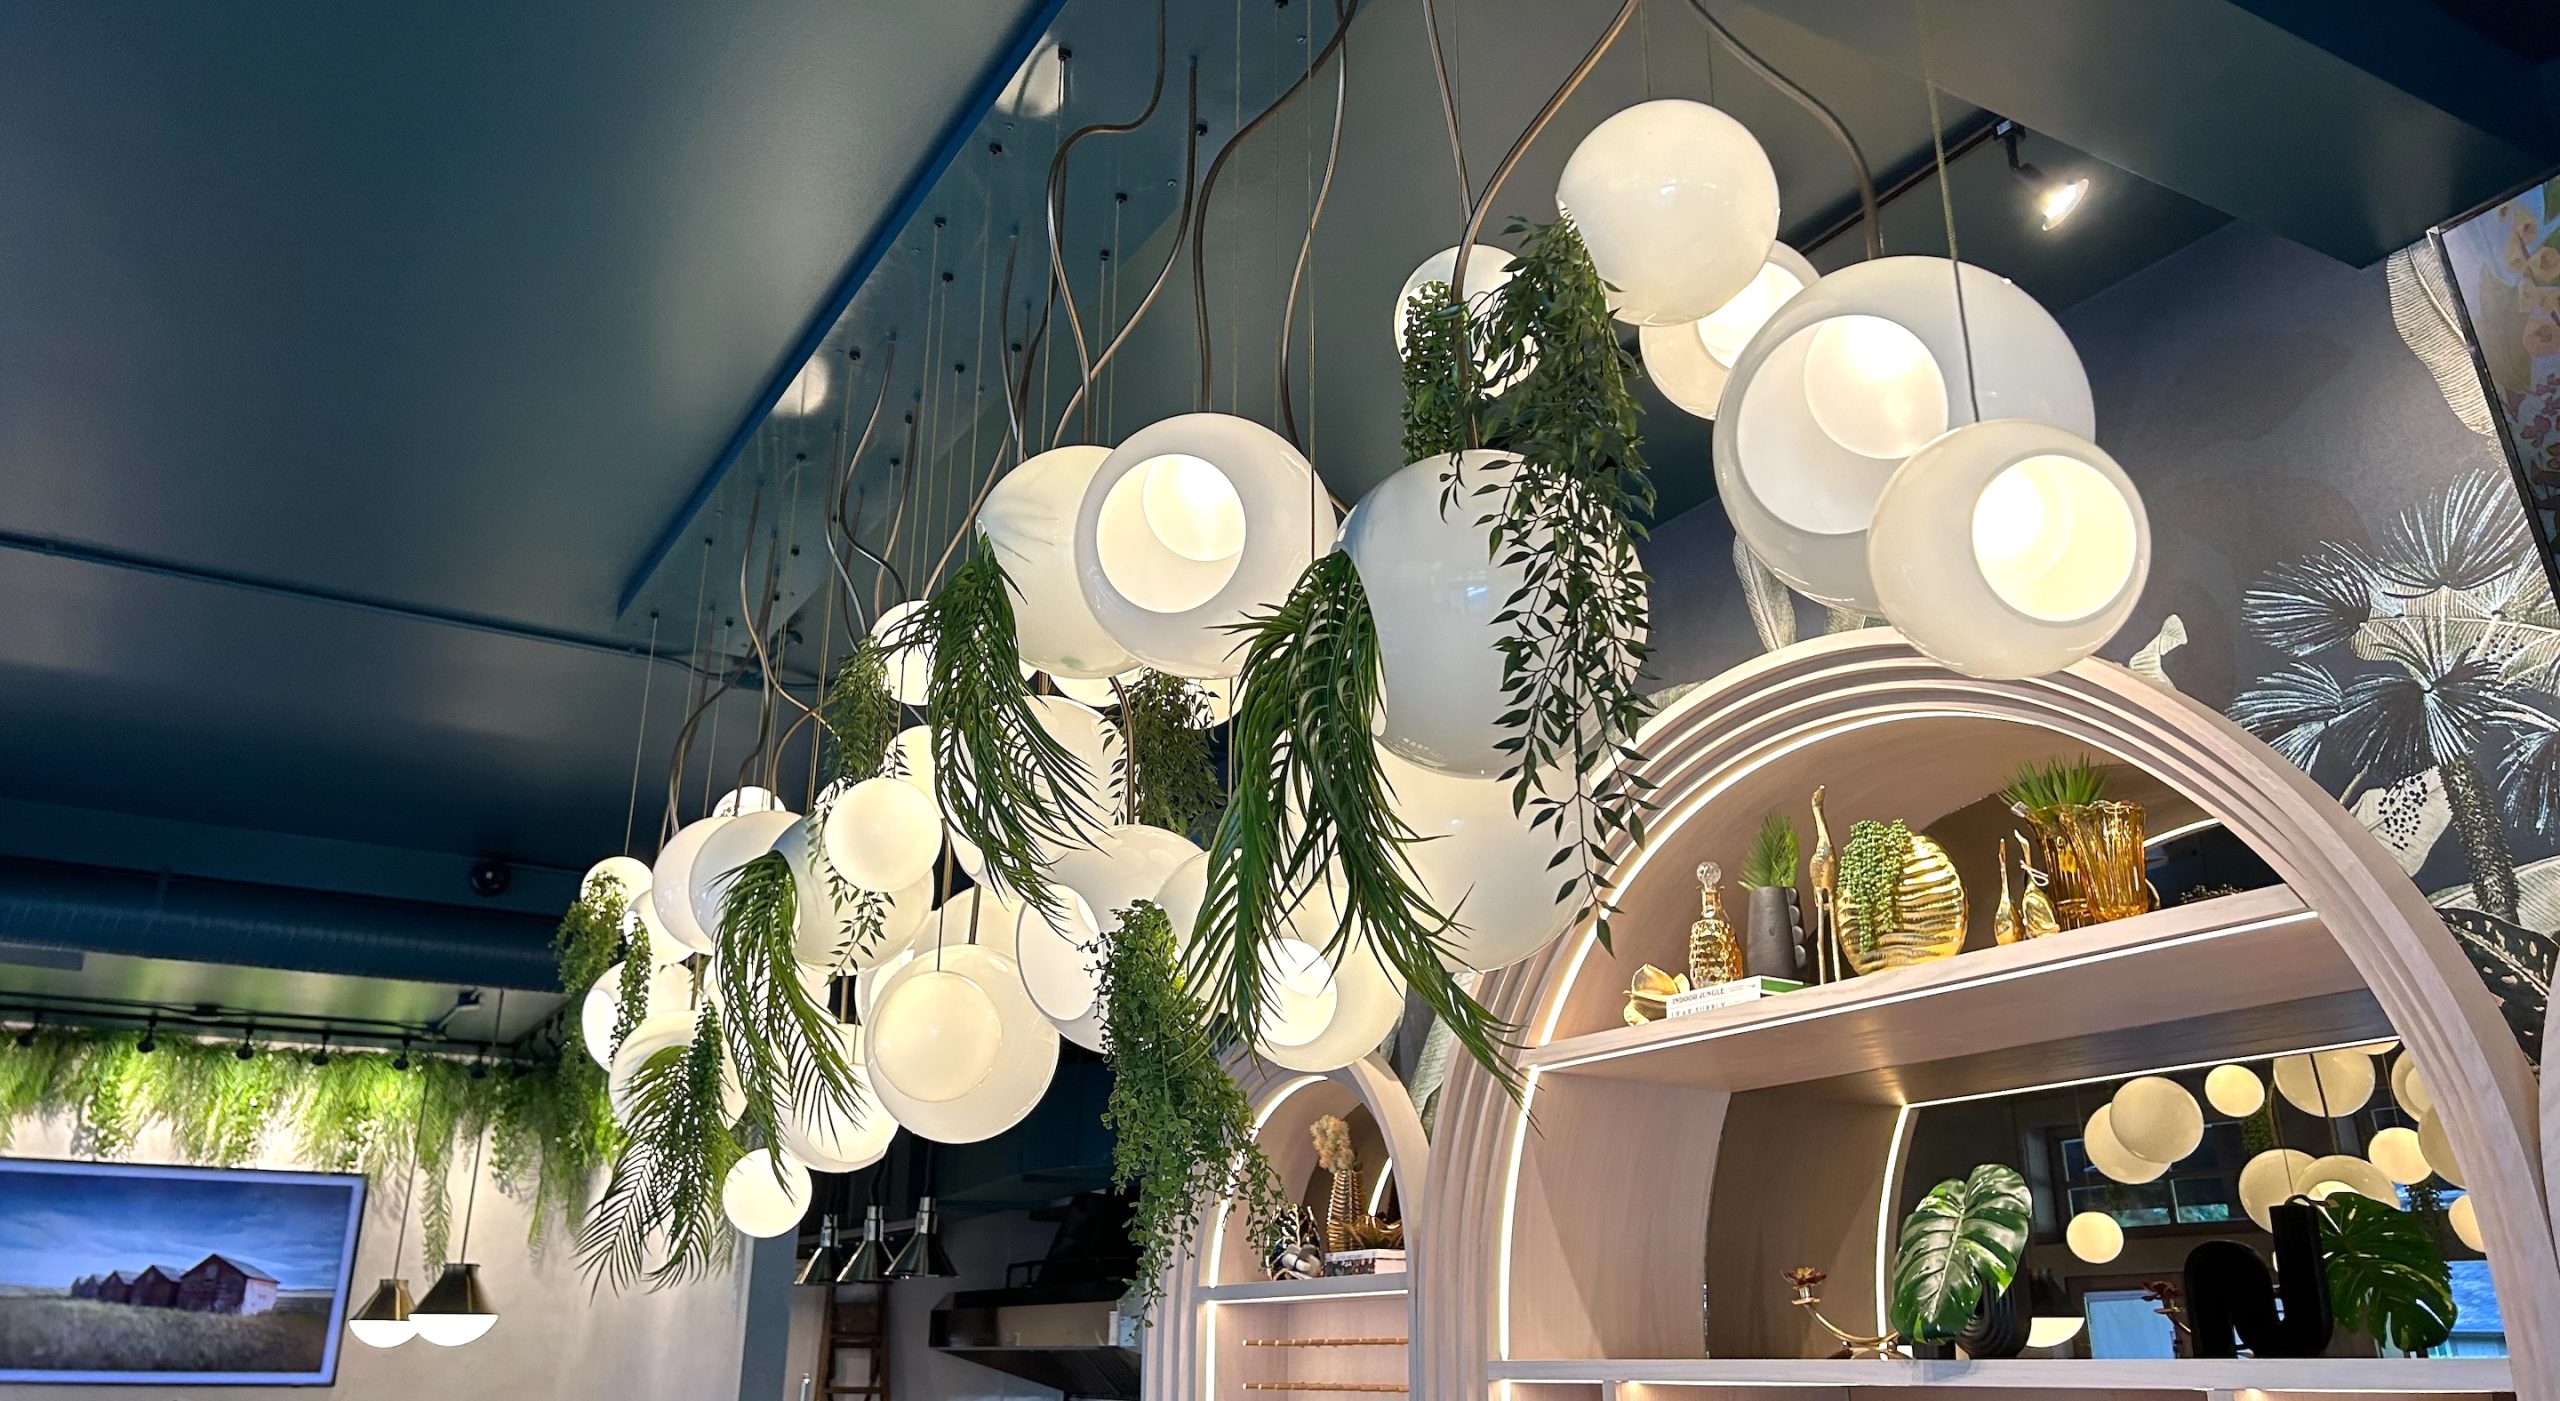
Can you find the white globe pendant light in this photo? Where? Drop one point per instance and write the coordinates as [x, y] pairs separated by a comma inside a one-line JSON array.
[[957, 1052], [976, 917], [1188, 527], [2438, 1150], [832, 1137], [2409, 1088], [827, 934], [2401, 1157], [1488, 268], [2269, 1179], [910, 663], [1690, 362], [911, 759], [1098, 772], [663, 946], [2464, 1218], [1336, 998], [1479, 863], [2009, 549], [738, 802], [1058, 955], [2094, 1236], [2345, 1172], [1897, 366], [2155, 1119], [627, 876], [1185, 890], [670, 989], [2110, 1157], [1127, 863], [1677, 204], [1029, 517], [1101, 693], [2234, 1091], [766, 1193], [882, 834], [658, 1032], [2326, 1084], [728, 850], [671, 884]]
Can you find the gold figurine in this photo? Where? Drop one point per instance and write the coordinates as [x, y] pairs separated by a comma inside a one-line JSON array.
[[1823, 873], [1715, 956], [2004, 920], [2036, 918], [1806, 1281]]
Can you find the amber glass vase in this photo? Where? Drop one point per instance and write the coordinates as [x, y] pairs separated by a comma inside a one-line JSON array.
[[2094, 854]]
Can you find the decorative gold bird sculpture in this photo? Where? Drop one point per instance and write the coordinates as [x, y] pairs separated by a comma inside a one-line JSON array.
[[1823, 874], [2036, 918], [2004, 920]]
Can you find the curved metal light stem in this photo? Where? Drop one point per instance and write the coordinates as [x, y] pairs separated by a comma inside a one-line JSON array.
[[1307, 245], [1867, 205], [1181, 228], [1059, 285], [1520, 147]]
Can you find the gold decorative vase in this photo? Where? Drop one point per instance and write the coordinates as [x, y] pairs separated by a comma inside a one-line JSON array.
[[2094, 852], [1929, 915]]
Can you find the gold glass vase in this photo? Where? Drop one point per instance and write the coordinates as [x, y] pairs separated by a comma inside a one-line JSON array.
[[2094, 851], [1929, 909]]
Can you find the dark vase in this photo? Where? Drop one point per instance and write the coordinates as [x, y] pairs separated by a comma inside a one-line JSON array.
[[1773, 946]]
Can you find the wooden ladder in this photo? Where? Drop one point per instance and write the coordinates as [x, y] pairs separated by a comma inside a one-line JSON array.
[[858, 1325]]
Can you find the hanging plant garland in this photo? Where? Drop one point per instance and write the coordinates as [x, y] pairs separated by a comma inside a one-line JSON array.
[[859, 717], [782, 1040], [666, 1182], [1171, 782]]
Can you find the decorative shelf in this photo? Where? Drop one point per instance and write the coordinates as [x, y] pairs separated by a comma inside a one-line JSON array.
[[2253, 967], [1283, 1291], [2390, 1375]]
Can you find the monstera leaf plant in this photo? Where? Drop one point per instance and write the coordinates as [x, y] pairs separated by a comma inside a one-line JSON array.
[[1961, 1242], [2387, 1278]]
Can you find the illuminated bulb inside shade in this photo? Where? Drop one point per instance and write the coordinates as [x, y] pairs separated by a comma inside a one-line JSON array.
[[2054, 539], [2061, 201], [1303, 996], [1728, 328], [2053, 1330], [1192, 508], [936, 1036], [1873, 387]]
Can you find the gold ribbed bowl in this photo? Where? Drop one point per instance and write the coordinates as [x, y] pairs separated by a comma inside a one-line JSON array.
[[1931, 902]]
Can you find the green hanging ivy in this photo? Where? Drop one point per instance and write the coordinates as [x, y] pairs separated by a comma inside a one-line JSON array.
[[1172, 784], [1870, 879]]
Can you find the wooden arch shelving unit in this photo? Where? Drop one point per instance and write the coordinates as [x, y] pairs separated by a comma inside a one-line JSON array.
[[1566, 1253], [1226, 1332]]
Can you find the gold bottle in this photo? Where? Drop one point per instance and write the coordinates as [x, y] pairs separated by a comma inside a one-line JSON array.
[[1715, 955], [2004, 920]]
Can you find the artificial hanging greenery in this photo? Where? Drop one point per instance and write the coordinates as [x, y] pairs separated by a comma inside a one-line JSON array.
[[2387, 1276], [1870, 879], [664, 1192], [1309, 804], [1182, 1131], [859, 716], [1772, 861], [1171, 783], [782, 1041]]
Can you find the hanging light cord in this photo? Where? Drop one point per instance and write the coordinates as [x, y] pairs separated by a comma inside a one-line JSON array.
[[1448, 103], [640, 740], [1059, 283], [1307, 245], [1868, 207], [480, 1142], [1955, 267], [1181, 226]]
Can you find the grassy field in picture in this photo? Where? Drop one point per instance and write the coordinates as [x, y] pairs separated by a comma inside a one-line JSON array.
[[57, 1334]]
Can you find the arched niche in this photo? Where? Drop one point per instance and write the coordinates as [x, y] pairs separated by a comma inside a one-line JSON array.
[[1575, 1230], [1218, 1296]]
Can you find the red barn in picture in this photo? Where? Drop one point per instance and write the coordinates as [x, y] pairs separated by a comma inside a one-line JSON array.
[[115, 1289], [220, 1284], [154, 1288]]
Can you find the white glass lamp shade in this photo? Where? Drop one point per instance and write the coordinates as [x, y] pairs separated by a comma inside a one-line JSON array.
[[866, 986], [903, 1032], [1098, 772], [1690, 362], [1175, 491], [1479, 863], [2438, 1150], [663, 947], [738, 802], [1030, 518], [827, 932], [2345, 1172], [2054, 1329], [1058, 955], [1185, 890], [670, 989], [1101, 693], [2409, 1088], [882, 834], [2094, 1236], [1488, 268], [1801, 497], [2155, 1119], [765, 1193], [2009, 549], [1127, 863], [657, 1032], [1332, 1008], [2269, 1179], [834, 1137], [1677, 204], [2464, 1218], [671, 884], [741, 841], [974, 916], [911, 759], [2234, 1091], [2111, 1157], [628, 877], [910, 666], [2329, 1084], [2398, 1153]]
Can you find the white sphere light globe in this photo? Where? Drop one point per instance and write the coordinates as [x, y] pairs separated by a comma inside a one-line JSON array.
[[628, 877], [2438, 1150], [910, 663], [725, 853], [2345, 1172], [1058, 955], [663, 946], [1690, 363], [2464, 1218], [2110, 1157], [882, 835], [1185, 890], [2409, 1088], [2094, 1236], [765, 1194], [1488, 268], [1336, 1001], [2155, 1119], [670, 992], [2326, 1084], [1303, 997], [1097, 773], [2234, 1091], [841, 1137], [671, 884], [2009, 549], [738, 802], [658, 1032], [1101, 693], [1186, 487], [2401, 1157], [1677, 204], [1127, 863], [1025, 1048], [1029, 518], [1479, 863], [935, 1037], [2270, 1178], [1800, 497], [975, 917], [910, 760]]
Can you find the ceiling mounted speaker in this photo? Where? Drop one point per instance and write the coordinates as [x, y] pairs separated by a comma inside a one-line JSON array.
[[1029, 516], [1677, 204], [1190, 526], [957, 1051], [1689, 362], [1853, 375], [2008, 549]]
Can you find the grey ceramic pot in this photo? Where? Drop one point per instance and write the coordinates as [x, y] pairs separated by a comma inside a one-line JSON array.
[[1773, 947]]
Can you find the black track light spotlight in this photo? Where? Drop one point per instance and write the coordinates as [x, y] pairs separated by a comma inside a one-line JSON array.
[[320, 1057], [401, 1061], [244, 1051], [2055, 200], [150, 1035], [27, 1036]]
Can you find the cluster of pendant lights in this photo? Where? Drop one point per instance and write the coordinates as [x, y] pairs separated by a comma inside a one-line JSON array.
[[2152, 1122]]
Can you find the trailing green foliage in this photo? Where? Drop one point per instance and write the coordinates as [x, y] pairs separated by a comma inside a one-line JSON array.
[[783, 1042], [1012, 784], [1772, 861], [663, 1197], [631, 999], [2040, 788], [592, 934], [860, 717], [1171, 782], [2387, 1276], [1961, 1242], [1309, 804], [1871, 865], [1182, 1131], [1443, 404]]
